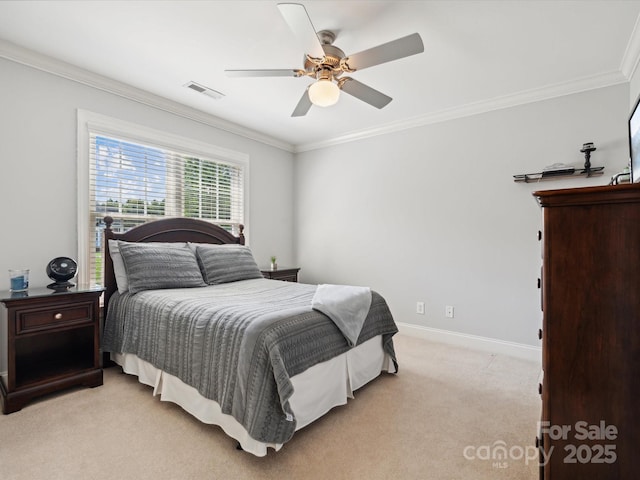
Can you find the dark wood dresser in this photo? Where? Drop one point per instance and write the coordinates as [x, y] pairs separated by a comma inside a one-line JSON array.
[[590, 425]]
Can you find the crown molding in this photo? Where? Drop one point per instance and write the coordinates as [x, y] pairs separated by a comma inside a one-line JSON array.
[[66, 70], [48, 64], [498, 103]]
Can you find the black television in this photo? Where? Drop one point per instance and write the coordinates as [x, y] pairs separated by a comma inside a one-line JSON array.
[[634, 142]]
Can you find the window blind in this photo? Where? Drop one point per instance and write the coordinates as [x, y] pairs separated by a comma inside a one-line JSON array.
[[135, 183]]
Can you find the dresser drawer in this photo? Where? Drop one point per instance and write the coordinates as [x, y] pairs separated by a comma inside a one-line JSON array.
[[42, 319]]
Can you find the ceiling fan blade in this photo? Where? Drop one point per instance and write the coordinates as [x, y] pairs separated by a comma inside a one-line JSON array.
[[299, 22], [364, 92], [263, 73], [387, 52], [303, 105]]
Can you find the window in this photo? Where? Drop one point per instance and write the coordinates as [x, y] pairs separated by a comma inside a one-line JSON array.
[[135, 175]]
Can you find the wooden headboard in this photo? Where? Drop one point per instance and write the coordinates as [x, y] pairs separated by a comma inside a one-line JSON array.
[[164, 230]]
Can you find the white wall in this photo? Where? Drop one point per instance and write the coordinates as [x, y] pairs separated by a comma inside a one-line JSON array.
[[432, 213], [38, 171]]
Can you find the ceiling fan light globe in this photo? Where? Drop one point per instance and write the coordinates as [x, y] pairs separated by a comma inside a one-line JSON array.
[[324, 93]]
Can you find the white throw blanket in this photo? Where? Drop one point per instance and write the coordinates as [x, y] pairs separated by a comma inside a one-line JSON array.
[[346, 305]]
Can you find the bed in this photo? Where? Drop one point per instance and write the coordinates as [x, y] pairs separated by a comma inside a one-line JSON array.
[[188, 312]]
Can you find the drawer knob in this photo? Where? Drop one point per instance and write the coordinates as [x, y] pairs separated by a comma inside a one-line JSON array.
[[539, 334], [57, 316], [540, 389]]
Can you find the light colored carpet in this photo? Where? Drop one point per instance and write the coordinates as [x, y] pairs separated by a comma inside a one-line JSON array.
[[437, 419]]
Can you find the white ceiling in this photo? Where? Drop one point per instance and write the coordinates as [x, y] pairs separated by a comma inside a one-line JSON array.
[[479, 55]]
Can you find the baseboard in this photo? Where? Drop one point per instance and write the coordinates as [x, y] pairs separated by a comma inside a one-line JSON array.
[[492, 345]]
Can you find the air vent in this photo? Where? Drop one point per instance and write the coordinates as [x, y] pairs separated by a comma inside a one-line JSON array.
[[204, 90]]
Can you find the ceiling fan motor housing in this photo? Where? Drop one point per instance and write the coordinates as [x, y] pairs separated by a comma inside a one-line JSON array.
[[331, 61]]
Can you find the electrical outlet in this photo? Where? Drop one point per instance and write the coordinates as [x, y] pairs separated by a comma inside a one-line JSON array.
[[448, 311], [420, 308]]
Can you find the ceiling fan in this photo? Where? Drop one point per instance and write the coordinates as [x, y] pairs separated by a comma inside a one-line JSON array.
[[326, 63]]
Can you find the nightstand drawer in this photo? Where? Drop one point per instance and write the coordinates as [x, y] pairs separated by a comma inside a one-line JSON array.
[[42, 319], [287, 278]]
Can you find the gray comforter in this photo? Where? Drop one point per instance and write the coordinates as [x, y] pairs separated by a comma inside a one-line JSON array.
[[238, 343]]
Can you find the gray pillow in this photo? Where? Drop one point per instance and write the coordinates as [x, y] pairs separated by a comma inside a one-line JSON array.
[[151, 266], [226, 263], [118, 264]]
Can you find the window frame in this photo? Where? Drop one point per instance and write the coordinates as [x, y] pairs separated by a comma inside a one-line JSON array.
[[94, 123]]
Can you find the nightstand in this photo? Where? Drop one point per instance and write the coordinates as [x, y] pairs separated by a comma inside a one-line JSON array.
[[53, 342], [288, 274]]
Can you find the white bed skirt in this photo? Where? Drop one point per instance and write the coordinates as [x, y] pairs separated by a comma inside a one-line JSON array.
[[316, 390]]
